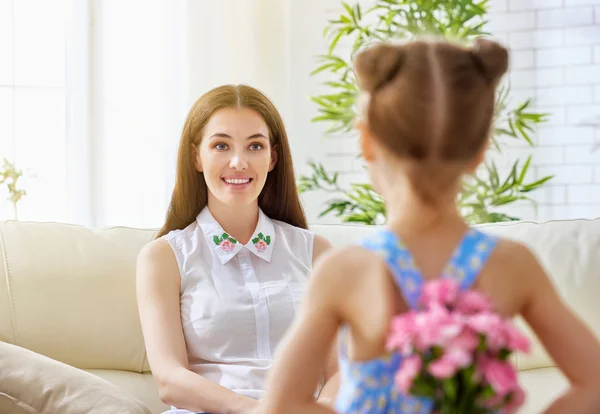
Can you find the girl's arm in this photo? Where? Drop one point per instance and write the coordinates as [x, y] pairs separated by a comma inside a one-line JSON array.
[[305, 351], [331, 386], [568, 341], [158, 282]]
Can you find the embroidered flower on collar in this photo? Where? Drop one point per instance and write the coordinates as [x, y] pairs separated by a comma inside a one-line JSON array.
[[226, 243], [261, 242]]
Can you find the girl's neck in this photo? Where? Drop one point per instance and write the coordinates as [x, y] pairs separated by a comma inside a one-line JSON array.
[[408, 214], [238, 221]]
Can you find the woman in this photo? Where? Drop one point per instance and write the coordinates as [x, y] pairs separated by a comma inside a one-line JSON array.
[[220, 285]]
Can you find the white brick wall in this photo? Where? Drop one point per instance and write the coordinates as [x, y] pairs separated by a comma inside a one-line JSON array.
[[562, 56], [533, 4], [583, 75], [564, 18], [556, 60]]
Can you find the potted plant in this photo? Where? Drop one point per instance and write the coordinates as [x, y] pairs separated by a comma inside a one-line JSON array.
[[484, 194]]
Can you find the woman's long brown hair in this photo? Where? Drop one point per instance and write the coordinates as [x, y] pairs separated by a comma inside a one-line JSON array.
[[279, 198]]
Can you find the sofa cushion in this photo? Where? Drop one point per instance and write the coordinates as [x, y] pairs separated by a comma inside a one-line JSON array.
[[542, 386], [12, 405], [143, 387], [31, 383]]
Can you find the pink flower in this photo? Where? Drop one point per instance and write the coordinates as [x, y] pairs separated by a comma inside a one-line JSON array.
[[472, 301], [407, 373], [455, 357], [491, 326], [451, 324], [493, 402], [402, 333], [516, 341], [261, 246], [436, 326], [440, 291], [501, 375], [443, 367], [517, 399], [466, 340], [226, 246]]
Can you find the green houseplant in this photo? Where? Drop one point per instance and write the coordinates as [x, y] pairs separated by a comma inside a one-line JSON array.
[[483, 195]]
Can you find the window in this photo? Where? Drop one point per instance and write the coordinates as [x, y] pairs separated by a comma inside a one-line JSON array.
[[33, 105]]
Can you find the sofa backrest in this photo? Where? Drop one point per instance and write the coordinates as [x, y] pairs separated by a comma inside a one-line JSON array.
[[69, 292]]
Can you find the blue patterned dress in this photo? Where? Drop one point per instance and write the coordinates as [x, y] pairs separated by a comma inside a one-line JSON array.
[[367, 387]]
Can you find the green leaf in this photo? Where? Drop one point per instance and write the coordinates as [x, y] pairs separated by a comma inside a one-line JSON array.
[[234, 241], [524, 171], [421, 387], [504, 354], [268, 240], [530, 187], [255, 240], [450, 388], [487, 393], [509, 182], [505, 200], [216, 240], [335, 41], [224, 236], [261, 236]]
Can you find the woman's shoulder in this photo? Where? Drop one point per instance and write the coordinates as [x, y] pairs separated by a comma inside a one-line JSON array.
[[293, 234], [180, 237], [284, 227]]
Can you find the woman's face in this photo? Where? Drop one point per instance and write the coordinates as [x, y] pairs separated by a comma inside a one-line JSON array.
[[235, 156]]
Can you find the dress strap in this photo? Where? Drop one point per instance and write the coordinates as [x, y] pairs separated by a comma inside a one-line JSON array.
[[471, 256], [400, 262]]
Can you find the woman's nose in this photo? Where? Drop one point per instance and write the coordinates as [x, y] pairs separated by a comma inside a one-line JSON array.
[[238, 162]]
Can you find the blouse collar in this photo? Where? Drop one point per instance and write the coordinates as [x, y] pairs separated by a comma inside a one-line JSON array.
[[261, 243]]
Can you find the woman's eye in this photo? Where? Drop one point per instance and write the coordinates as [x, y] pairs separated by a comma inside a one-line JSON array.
[[220, 147], [256, 147]]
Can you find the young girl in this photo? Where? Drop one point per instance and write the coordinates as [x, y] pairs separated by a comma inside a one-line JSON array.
[[428, 111], [219, 287]]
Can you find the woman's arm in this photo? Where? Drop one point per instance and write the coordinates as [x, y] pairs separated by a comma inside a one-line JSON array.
[[569, 342], [332, 381], [158, 283], [305, 351]]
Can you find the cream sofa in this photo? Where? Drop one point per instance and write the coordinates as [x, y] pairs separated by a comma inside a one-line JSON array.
[[68, 292]]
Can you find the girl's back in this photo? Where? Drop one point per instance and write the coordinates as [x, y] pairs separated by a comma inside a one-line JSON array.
[[428, 111], [388, 274]]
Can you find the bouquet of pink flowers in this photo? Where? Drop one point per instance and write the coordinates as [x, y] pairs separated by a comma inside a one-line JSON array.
[[456, 351]]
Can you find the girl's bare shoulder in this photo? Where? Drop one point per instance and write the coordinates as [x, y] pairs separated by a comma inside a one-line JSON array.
[[341, 273]]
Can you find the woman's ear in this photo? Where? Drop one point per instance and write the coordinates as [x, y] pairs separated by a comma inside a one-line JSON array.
[[366, 141], [196, 156], [273, 157]]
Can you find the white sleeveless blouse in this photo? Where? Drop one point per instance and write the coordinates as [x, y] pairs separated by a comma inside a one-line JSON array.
[[237, 301]]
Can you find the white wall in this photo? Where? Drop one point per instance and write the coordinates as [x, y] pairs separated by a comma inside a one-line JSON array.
[[555, 46], [556, 60]]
